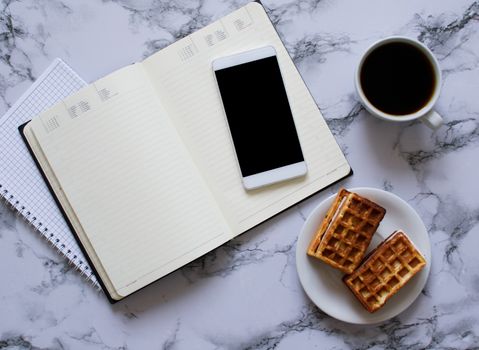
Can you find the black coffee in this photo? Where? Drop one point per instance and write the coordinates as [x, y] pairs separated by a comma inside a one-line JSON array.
[[397, 78]]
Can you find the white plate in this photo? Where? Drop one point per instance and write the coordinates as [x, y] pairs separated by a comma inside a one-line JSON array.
[[323, 284]]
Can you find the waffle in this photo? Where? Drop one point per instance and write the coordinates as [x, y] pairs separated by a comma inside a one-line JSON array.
[[346, 231], [386, 270]]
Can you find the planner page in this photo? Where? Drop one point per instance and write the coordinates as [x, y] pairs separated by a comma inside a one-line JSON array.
[[132, 191], [183, 76]]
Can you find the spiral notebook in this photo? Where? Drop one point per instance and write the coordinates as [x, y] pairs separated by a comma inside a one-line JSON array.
[[21, 184], [143, 166]]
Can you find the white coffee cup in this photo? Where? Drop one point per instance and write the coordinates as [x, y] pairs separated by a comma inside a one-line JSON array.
[[426, 114]]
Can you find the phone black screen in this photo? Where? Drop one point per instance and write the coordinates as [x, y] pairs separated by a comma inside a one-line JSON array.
[[259, 116]]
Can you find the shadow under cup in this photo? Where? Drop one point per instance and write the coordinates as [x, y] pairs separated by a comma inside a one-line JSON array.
[[399, 79]]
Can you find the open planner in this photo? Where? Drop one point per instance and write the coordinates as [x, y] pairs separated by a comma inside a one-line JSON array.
[[142, 163]]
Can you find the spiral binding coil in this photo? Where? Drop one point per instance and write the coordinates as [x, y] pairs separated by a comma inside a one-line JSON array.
[[22, 212]]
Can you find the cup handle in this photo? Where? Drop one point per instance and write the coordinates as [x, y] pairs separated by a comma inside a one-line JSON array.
[[432, 119]]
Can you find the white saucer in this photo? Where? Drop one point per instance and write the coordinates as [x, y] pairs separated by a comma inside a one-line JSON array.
[[323, 284]]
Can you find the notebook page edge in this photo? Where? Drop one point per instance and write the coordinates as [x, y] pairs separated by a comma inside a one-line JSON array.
[[68, 210]]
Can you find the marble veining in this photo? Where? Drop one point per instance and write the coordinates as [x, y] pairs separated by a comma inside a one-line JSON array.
[[16, 61], [246, 294]]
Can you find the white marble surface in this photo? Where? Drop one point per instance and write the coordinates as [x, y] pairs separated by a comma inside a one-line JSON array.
[[246, 294]]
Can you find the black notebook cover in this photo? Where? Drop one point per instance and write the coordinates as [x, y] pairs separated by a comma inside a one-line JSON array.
[[111, 300]]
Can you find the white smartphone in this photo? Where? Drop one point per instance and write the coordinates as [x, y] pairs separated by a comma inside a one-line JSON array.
[[259, 117]]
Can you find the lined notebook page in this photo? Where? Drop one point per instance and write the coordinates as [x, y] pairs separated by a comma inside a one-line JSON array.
[[183, 76], [140, 201]]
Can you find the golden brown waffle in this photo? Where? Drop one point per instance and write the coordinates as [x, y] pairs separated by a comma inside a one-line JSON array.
[[386, 270], [345, 233]]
